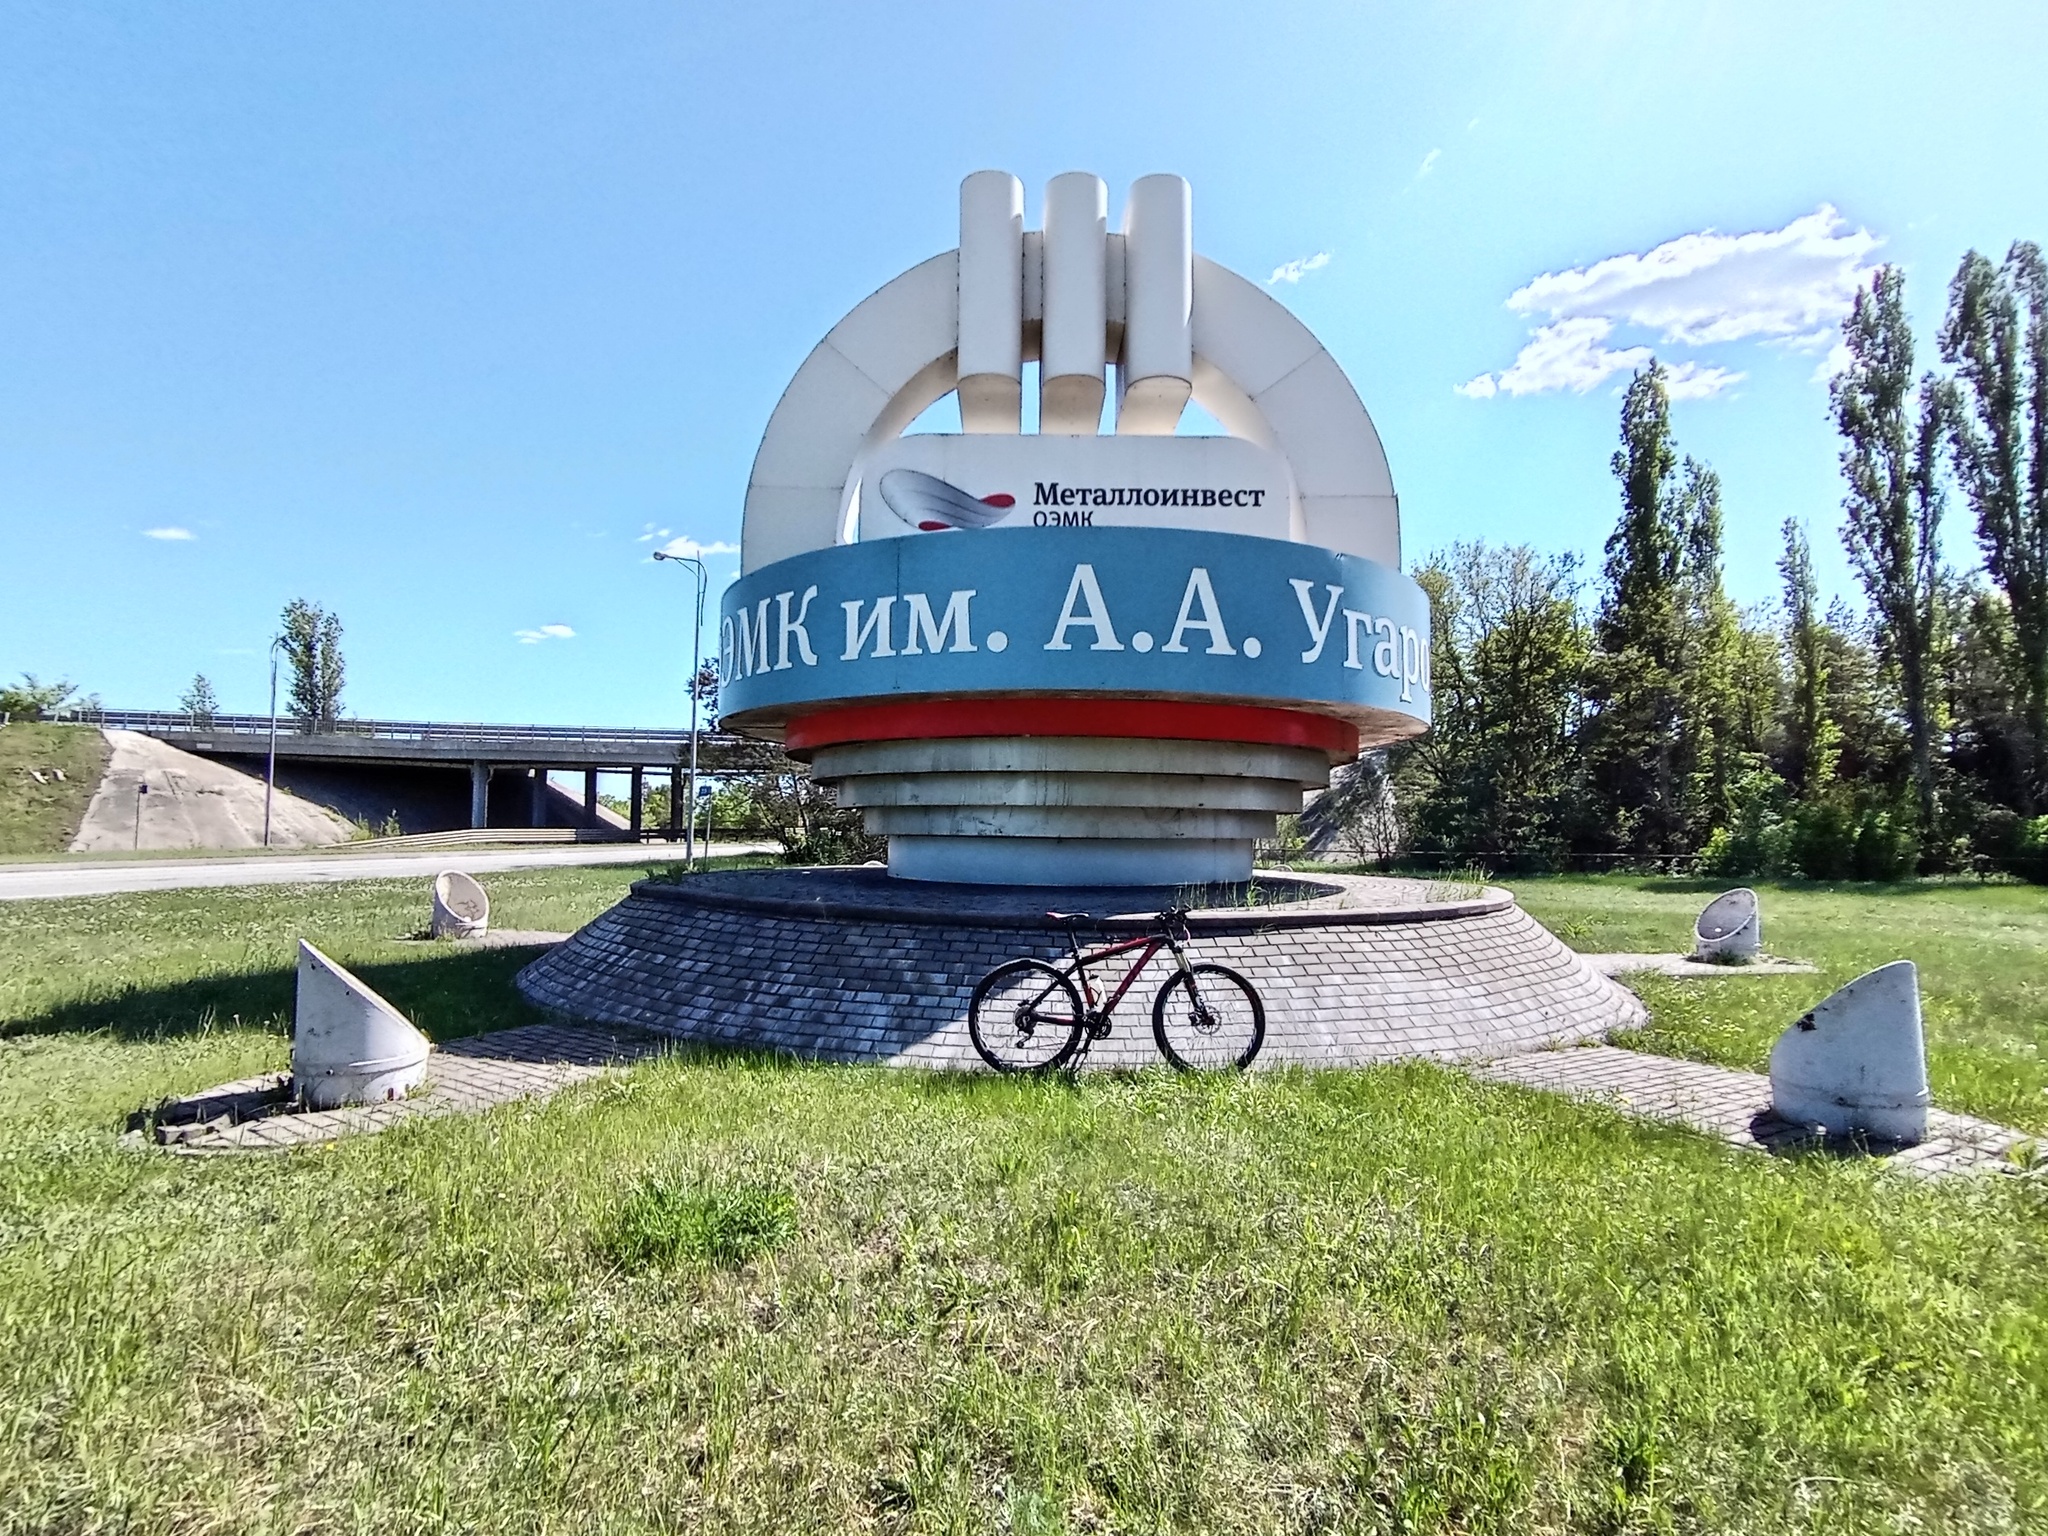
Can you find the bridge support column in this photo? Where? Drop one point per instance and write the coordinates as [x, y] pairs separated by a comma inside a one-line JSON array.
[[590, 796], [479, 794], [638, 807], [675, 803], [538, 807]]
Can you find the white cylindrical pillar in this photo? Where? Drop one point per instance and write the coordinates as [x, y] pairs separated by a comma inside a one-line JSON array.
[[1076, 321], [991, 302], [1157, 370]]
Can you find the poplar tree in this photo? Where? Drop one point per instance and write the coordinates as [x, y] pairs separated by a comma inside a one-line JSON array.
[[1892, 460], [1812, 740], [312, 647], [1639, 705], [1714, 749], [2001, 449]]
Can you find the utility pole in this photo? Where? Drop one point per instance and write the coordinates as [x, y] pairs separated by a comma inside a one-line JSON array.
[[696, 664], [270, 765]]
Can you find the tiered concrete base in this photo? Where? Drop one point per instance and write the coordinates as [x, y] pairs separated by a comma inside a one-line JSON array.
[[851, 965]]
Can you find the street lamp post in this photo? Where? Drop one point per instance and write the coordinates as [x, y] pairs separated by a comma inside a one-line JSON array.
[[270, 763], [696, 665]]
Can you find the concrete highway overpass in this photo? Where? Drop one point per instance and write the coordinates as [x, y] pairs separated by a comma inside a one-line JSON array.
[[507, 765]]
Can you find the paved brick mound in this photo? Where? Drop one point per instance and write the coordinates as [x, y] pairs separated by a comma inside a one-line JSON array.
[[849, 965]]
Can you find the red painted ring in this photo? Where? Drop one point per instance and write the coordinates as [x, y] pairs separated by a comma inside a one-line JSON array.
[[1146, 719]]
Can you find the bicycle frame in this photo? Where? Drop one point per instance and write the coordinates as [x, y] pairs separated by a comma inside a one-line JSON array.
[[1151, 944]]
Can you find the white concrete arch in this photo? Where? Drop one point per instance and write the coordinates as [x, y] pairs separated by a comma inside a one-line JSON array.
[[896, 346], [1257, 369]]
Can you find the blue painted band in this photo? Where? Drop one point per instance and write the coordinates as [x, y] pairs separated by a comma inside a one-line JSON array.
[[1128, 612]]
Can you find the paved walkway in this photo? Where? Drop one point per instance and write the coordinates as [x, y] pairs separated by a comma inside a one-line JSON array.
[[463, 1076], [1735, 1106], [479, 1073], [33, 882]]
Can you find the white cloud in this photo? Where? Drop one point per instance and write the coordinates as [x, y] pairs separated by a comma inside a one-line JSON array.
[[1786, 287], [170, 535], [1837, 361], [1709, 287], [545, 632], [1428, 163], [1695, 381], [1294, 271], [687, 548], [1572, 354], [649, 533]]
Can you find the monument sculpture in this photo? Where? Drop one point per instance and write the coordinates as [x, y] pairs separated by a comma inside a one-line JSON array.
[[1073, 655], [1103, 654]]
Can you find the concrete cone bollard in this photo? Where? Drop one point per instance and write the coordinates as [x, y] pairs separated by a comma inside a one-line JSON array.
[[349, 1046], [1858, 1061]]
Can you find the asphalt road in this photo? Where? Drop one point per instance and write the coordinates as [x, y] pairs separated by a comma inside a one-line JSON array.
[[32, 882]]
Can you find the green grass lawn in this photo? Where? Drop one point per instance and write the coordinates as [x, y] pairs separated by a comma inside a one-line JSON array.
[[731, 1294], [43, 818], [1982, 953]]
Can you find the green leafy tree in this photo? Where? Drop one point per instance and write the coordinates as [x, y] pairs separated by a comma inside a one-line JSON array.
[[32, 699], [1637, 705], [811, 825], [1813, 741], [1873, 749], [1892, 460], [1496, 776], [1987, 749], [1996, 336], [199, 705], [1720, 738], [312, 647], [704, 687]]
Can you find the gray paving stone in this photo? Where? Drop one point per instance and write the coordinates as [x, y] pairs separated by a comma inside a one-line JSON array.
[[1736, 1108], [463, 1076]]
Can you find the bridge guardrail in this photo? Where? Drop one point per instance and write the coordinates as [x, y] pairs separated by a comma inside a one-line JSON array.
[[157, 721]]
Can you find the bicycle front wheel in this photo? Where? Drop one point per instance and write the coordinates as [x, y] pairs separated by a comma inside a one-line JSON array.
[[1208, 1019], [1025, 1017]]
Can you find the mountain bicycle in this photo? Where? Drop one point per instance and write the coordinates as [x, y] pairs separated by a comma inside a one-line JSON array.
[[1029, 1016]]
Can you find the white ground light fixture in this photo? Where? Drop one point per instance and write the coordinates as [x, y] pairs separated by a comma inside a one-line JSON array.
[[349, 1046], [1730, 928], [1858, 1061]]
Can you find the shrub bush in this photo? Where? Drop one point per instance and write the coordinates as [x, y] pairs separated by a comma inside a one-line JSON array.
[[2030, 850]]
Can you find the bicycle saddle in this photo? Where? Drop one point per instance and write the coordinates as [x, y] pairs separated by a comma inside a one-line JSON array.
[[1071, 917]]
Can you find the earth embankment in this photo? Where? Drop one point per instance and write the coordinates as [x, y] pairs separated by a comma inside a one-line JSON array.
[[47, 777], [154, 796]]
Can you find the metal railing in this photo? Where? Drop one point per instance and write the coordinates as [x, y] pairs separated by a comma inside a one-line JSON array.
[[164, 721]]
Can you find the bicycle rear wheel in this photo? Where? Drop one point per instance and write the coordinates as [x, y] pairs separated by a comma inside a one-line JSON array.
[[1025, 1017], [1208, 1019]]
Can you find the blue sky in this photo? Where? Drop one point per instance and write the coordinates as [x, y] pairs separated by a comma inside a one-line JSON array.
[[430, 313]]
